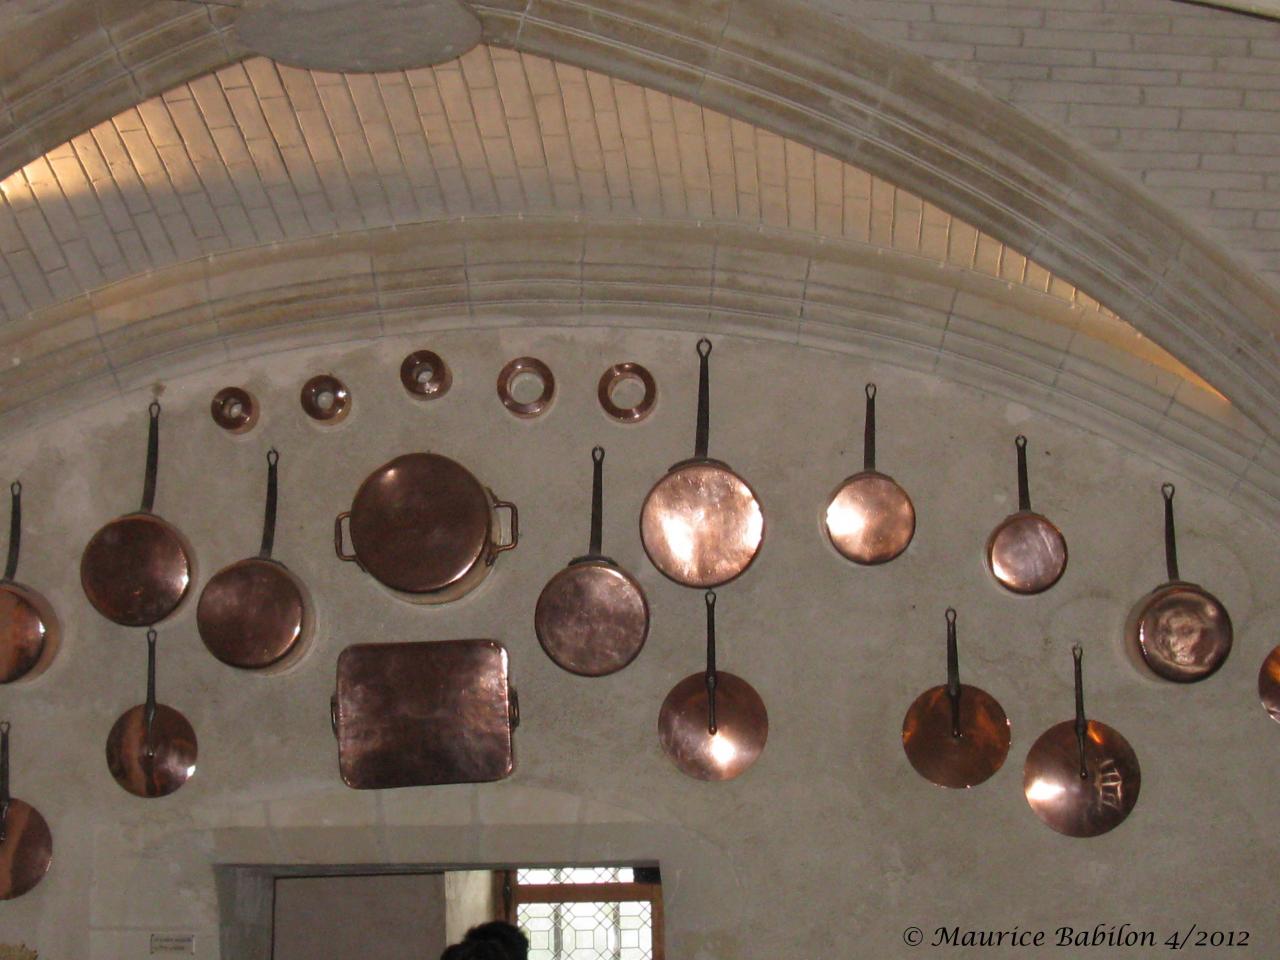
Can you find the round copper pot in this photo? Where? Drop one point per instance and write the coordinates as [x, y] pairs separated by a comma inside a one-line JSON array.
[[234, 409], [26, 845], [425, 376], [325, 399], [1269, 684], [619, 373], [1025, 552], [29, 630], [424, 527]]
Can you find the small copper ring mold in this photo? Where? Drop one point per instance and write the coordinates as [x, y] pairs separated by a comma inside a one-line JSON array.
[[616, 375], [425, 375], [537, 368], [325, 399], [234, 409]]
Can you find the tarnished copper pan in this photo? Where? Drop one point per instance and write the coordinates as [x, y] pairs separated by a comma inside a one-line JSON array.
[[415, 714], [234, 409], [137, 569], [1026, 553], [1269, 684], [702, 524], [326, 399], [256, 613], [151, 750], [592, 617], [869, 518], [618, 373], [425, 376], [26, 845], [29, 630], [955, 735], [1179, 630], [713, 725], [533, 367], [1081, 777], [426, 528]]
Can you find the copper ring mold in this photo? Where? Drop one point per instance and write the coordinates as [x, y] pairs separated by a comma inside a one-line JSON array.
[[234, 409], [325, 399], [534, 367], [425, 376], [615, 375]]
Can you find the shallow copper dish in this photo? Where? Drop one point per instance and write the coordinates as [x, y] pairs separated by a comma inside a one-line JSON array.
[[1081, 776], [151, 749], [1180, 631], [1269, 685], [1026, 553], [326, 399], [702, 524], [234, 409], [138, 568], [426, 528], [713, 725], [416, 714], [26, 844], [30, 633], [869, 517], [531, 366], [425, 376], [955, 735], [619, 373], [256, 613], [592, 617]]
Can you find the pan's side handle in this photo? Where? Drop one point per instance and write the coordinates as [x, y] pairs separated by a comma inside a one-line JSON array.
[[513, 707], [337, 537], [515, 525], [333, 714]]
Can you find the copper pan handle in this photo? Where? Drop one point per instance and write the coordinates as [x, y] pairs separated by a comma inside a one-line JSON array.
[[4, 780], [513, 707], [337, 537], [333, 714], [15, 531], [515, 525]]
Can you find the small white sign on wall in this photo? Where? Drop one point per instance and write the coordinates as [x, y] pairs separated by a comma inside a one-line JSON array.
[[180, 943]]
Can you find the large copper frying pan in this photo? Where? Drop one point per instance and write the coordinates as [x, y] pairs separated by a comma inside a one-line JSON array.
[[870, 519], [592, 617], [256, 613], [1179, 630], [29, 629], [151, 750], [702, 524], [1026, 553], [713, 725], [26, 845], [137, 569]]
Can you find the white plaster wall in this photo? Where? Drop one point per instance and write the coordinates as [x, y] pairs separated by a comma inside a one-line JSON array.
[[831, 845]]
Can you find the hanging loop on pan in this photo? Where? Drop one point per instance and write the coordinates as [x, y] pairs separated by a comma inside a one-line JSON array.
[[1167, 490], [1024, 485], [15, 531], [153, 457], [702, 433], [597, 501], [953, 673], [273, 493], [869, 430]]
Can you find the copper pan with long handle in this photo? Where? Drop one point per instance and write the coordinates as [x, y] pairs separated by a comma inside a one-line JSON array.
[[26, 844], [29, 629], [1026, 553]]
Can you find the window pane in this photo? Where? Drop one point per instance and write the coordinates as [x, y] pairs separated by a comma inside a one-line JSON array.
[[588, 931], [575, 875]]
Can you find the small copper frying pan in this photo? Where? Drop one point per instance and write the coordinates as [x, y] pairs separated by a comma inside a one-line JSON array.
[[1179, 630], [137, 569], [29, 629], [870, 519], [592, 617], [702, 524], [1269, 684], [1026, 553], [256, 613], [26, 845], [151, 750], [713, 725]]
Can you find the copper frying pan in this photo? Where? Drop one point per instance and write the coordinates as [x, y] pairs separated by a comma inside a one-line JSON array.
[[1179, 630], [592, 617], [1081, 777], [1025, 552], [256, 613], [869, 518], [713, 725], [1269, 684], [151, 750], [29, 629], [26, 845], [702, 524], [955, 735], [137, 569]]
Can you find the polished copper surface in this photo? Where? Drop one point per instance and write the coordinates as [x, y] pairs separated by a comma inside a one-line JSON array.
[[870, 519], [26, 850], [136, 570], [29, 633], [1269, 684], [742, 727], [234, 409], [956, 761], [592, 618], [1180, 631], [1026, 553], [424, 526], [701, 524], [619, 373], [1081, 806], [534, 367], [425, 375], [326, 399], [254, 614], [413, 714], [157, 769]]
